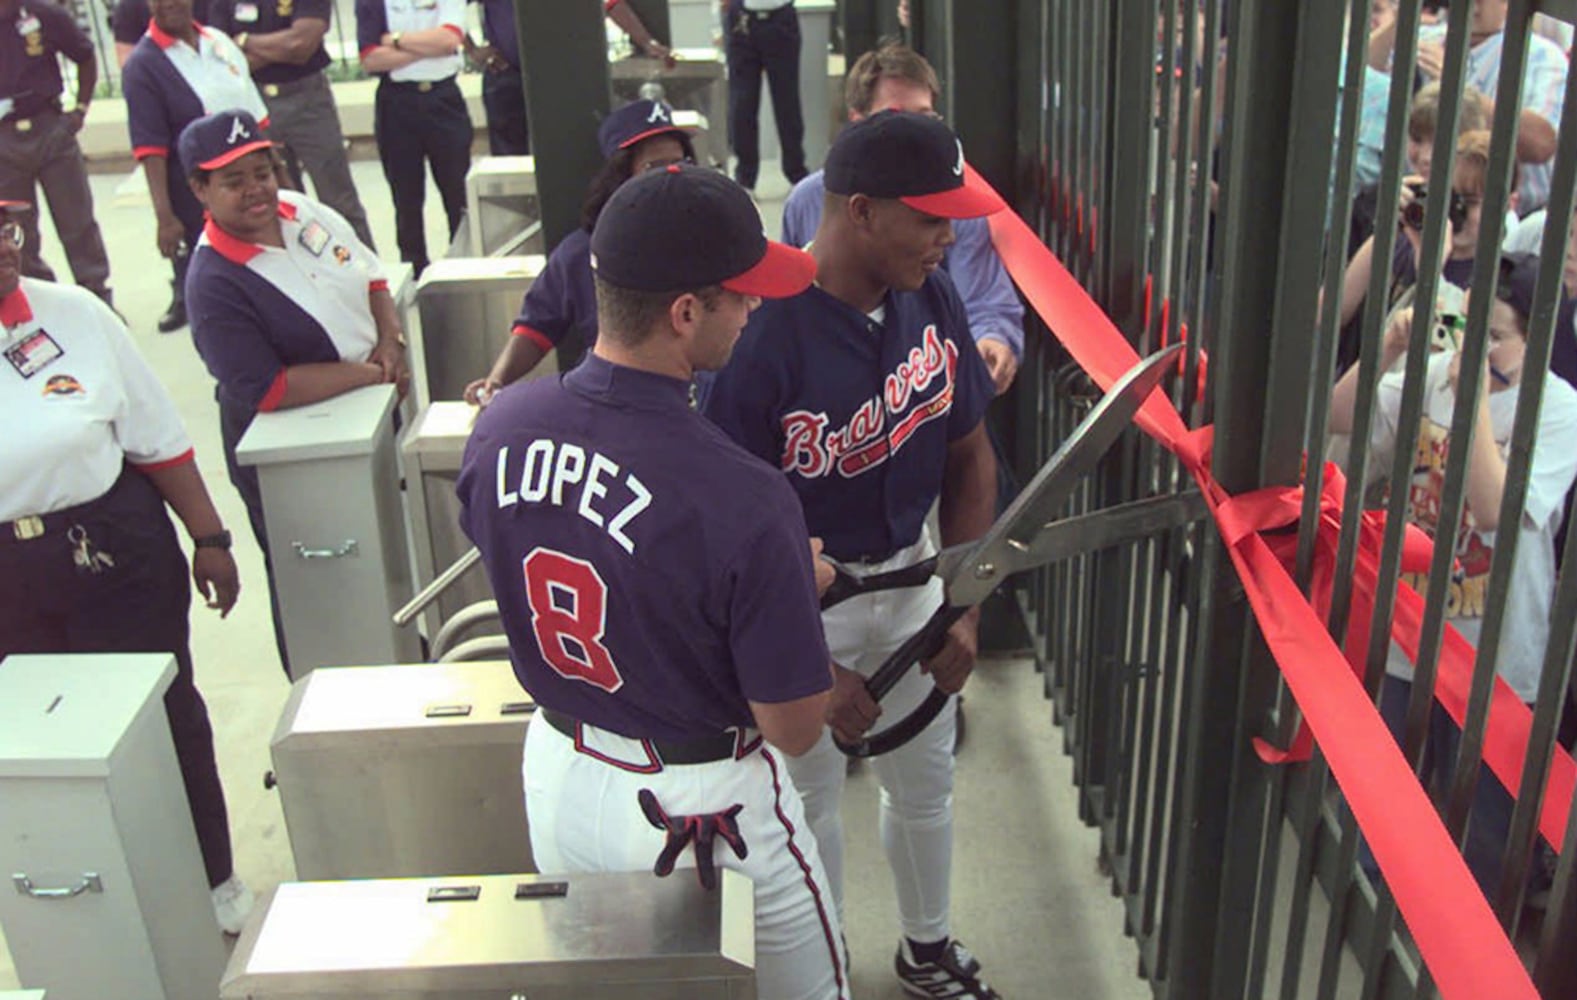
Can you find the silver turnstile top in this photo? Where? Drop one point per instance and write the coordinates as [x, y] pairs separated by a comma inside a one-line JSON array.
[[606, 934]]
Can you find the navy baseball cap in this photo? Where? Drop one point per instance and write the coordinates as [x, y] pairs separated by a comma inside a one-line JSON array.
[[14, 207], [914, 158], [635, 121], [1519, 273], [214, 140], [687, 227]]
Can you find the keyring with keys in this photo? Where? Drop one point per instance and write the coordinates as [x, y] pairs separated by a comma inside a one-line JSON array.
[[85, 554]]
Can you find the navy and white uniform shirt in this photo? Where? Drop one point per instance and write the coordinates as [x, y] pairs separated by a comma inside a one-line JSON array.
[[563, 298], [258, 310], [653, 577], [265, 16], [374, 18], [88, 401], [858, 413], [168, 85], [30, 39]]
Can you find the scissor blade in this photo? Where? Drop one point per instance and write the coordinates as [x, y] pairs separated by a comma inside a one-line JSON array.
[[971, 574]]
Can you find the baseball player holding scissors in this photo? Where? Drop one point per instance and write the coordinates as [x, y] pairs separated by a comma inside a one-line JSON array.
[[868, 392], [656, 583]]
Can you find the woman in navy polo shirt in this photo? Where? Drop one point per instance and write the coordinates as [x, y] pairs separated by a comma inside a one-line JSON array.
[[638, 137], [89, 562], [287, 306]]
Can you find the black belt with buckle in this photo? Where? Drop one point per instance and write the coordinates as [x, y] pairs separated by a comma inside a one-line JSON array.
[[421, 86], [284, 88], [762, 15], [27, 122], [25, 529], [704, 750]]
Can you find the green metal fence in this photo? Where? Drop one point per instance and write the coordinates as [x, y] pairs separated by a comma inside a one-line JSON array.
[[1192, 164]]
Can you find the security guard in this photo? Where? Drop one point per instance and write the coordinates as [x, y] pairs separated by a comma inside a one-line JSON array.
[[38, 142], [419, 116], [503, 89], [288, 306], [129, 19], [763, 37], [178, 72], [89, 562], [283, 44]]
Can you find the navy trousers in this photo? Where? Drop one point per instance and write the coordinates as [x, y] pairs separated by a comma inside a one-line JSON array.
[[764, 42]]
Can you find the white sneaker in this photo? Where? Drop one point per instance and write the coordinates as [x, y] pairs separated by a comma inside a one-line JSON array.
[[232, 904]]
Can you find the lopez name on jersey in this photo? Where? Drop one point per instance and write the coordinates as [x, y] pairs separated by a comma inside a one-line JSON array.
[[566, 475]]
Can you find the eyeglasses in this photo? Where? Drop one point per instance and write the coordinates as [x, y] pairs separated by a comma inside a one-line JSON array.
[[11, 232], [658, 164]]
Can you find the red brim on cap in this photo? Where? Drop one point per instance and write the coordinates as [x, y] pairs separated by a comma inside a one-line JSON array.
[[14, 206], [663, 130], [231, 155], [781, 272], [975, 198]]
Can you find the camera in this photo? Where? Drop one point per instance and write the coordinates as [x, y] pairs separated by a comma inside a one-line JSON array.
[[1413, 214]]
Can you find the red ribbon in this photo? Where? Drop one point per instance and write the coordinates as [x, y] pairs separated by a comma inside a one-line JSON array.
[[1464, 947]]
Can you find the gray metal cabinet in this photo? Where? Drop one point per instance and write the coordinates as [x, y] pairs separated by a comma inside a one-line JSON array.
[[405, 770], [626, 936], [502, 214], [108, 896], [336, 528]]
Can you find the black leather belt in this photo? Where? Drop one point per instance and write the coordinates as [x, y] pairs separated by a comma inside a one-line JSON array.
[[704, 750], [26, 123], [422, 86]]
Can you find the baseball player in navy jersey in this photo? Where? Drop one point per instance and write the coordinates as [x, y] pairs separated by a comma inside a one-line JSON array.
[[868, 392], [656, 583]]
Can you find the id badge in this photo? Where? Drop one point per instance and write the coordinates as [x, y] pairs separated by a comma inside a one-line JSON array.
[[246, 13], [314, 237], [33, 353]]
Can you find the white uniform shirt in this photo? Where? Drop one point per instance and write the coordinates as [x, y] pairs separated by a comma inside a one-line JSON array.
[[216, 70], [421, 15], [77, 417]]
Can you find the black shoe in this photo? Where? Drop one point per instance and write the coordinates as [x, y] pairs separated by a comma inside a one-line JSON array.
[[955, 976], [174, 317]]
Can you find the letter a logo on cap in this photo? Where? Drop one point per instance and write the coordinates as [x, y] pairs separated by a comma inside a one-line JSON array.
[[659, 113], [958, 168], [238, 131]]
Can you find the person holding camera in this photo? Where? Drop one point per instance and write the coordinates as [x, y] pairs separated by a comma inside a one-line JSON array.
[[1468, 177]]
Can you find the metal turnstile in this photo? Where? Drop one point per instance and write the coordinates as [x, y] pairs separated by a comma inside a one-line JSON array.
[[697, 82], [432, 448], [465, 307], [385, 772], [108, 896], [336, 529], [502, 214], [626, 936]]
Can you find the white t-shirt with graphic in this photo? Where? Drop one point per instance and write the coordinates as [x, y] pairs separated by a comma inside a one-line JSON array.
[[1527, 623]]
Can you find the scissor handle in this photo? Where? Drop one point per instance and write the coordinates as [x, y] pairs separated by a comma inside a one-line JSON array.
[[846, 585], [922, 644]]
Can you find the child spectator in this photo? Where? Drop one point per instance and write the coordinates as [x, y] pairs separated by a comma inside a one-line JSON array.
[[1554, 465]]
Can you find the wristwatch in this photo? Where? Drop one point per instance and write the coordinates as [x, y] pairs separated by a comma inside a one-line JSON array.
[[394, 39], [240, 40], [218, 540]]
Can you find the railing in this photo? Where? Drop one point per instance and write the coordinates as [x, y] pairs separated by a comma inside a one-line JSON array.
[[1192, 166]]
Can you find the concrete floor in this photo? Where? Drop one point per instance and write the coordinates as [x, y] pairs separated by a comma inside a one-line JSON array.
[[1027, 895]]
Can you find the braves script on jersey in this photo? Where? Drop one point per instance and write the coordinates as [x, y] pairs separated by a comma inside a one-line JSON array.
[[858, 413], [653, 577]]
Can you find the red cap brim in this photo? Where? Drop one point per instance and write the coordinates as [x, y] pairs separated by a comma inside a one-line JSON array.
[[781, 272], [974, 199], [661, 130], [231, 155], [7, 205]]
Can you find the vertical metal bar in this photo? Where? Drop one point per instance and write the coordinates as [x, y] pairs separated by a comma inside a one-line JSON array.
[[563, 51], [1307, 819], [1225, 833], [1557, 666], [984, 58], [1555, 971], [859, 20], [1204, 210]]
